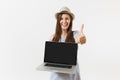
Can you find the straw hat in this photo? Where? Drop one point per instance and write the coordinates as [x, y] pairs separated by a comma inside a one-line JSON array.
[[65, 10]]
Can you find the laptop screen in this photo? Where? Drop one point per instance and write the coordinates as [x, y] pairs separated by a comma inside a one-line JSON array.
[[61, 53]]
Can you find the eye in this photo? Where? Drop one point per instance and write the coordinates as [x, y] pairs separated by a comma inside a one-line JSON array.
[[61, 18]]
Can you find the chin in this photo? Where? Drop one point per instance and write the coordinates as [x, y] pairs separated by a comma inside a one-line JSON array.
[[64, 28]]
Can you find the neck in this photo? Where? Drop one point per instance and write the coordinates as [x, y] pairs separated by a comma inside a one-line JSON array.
[[64, 33]]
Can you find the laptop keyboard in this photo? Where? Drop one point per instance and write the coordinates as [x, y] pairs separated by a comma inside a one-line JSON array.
[[58, 65]]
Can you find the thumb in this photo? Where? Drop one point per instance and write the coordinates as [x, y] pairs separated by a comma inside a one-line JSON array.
[[81, 28]]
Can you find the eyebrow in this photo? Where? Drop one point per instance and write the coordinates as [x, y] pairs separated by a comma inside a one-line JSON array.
[[65, 17]]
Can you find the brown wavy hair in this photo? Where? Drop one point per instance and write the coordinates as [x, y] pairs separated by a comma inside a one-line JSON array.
[[58, 30]]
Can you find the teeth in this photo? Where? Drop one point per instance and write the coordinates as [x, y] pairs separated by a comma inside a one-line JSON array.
[[64, 24]]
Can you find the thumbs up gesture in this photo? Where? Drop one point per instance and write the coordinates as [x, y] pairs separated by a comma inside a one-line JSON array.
[[82, 38]]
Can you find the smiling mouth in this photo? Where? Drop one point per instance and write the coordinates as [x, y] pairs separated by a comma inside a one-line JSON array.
[[65, 25]]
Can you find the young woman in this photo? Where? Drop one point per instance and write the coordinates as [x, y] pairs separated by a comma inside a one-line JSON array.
[[64, 33]]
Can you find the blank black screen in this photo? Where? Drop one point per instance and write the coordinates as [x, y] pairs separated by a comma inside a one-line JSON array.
[[62, 53]]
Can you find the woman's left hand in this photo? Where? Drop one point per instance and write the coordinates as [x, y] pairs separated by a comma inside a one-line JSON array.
[[82, 38]]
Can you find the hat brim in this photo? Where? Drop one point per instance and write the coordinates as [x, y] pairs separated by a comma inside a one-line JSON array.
[[71, 14]]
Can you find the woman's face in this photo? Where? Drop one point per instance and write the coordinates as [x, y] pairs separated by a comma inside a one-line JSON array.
[[65, 21]]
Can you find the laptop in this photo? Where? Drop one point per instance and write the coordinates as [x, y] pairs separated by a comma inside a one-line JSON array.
[[59, 57]]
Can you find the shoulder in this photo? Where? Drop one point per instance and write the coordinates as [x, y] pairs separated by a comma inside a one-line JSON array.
[[51, 37], [76, 33]]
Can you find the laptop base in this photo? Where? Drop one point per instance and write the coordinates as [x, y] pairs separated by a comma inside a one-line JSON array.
[[42, 67], [58, 65]]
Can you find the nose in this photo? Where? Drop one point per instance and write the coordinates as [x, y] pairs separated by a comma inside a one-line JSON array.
[[64, 20]]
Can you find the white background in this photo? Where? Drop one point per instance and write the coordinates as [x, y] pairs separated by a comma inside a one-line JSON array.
[[26, 24]]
